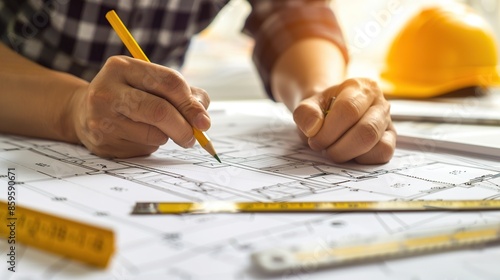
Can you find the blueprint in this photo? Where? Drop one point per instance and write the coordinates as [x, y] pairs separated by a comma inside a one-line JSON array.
[[262, 160]]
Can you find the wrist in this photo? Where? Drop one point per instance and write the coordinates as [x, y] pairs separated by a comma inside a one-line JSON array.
[[305, 69], [69, 119]]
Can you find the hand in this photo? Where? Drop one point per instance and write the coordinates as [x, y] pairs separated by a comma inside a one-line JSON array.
[[358, 125], [132, 107]]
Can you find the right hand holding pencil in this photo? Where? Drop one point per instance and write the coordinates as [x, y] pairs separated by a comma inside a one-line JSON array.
[[132, 107]]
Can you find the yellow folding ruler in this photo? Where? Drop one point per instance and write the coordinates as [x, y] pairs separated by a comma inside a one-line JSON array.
[[80, 241], [307, 257], [339, 206]]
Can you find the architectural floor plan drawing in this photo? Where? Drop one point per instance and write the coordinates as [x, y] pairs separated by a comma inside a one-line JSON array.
[[262, 160]]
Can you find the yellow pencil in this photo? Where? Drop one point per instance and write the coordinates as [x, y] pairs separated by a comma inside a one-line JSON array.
[[137, 52]]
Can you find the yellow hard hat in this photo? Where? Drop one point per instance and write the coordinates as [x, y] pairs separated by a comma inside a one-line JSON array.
[[440, 50]]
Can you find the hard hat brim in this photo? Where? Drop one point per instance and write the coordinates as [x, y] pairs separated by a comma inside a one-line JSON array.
[[426, 90]]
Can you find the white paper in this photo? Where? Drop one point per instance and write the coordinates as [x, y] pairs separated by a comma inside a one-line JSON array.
[[262, 160]]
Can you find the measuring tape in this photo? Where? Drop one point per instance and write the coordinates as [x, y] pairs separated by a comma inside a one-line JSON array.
[[341, 206], [72, 239], [308, 257]]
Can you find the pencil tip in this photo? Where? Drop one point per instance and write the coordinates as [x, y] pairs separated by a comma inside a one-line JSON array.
[[217, 158]]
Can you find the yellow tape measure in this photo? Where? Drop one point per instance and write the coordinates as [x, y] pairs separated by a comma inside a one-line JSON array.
[[340, 206], [87, 243], [308, 257]]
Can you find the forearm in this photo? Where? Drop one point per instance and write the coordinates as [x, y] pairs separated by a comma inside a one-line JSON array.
[[306, 68], [35, 101]]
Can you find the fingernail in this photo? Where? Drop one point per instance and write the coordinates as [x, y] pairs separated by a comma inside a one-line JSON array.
[[202, 121], [312, 126]]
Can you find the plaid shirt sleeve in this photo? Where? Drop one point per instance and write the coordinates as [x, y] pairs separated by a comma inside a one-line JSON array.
[[74, 36], [276, 25]]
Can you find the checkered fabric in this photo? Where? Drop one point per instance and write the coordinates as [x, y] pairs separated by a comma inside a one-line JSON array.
[[74, 36]]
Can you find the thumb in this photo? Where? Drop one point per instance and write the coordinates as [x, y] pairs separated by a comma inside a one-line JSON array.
[[309, 115]]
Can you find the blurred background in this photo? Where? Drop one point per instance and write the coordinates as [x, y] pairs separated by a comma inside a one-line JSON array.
[[219, 59]]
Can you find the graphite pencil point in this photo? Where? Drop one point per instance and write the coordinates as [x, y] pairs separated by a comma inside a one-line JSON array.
[[217, 158]]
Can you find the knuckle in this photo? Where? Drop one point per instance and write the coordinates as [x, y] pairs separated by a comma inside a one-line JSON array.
[[190, 108], [203, 93], [371, 88], [174, 81], [304, 109], [160, 111], [186, 106], [156, 111], [369, 83], [387, 107], [388, 145], [117, 62], [203, 97], [382, 153], [206, 102], [351, 82], [156, 136], [386, 152], [186, 135], [199, 92], [351, 108], [367, 86], [369, 134]]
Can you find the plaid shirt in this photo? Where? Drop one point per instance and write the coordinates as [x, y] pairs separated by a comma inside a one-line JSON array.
[[74, 36]]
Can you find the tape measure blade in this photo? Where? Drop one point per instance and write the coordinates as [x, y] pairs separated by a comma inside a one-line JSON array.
[[69, 238], [299, 257], [325, 206], [151, 208]]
